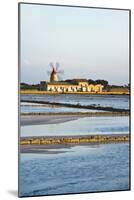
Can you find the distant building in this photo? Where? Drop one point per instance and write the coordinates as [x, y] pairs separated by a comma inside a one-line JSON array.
[[54, 75], [74, 85], [64, 86]]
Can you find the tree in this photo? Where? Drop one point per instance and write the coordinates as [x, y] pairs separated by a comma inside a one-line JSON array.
[[103, 82], [90, 81], [128, 85]]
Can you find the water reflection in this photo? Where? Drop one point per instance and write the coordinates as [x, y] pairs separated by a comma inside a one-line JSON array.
[[35, 108], [102, 168], [115, 101], [82, 126]]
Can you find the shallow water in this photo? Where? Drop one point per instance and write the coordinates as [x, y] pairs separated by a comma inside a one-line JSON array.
[[35, 108], [92, 168], [81, 126], [81, 169], [115, 101]]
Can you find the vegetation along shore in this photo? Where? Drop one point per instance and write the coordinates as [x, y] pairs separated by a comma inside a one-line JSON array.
[[93, 107], [51, 93], [87, 139], [86, 114]]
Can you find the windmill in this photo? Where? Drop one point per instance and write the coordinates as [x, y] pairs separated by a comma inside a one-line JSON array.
[[54, 74]]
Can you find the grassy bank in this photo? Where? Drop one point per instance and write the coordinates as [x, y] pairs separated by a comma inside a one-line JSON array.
[[97, 139], [88, 114], [69, 105], [51, 93]]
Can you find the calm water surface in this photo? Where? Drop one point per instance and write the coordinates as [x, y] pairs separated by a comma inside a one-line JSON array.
[[81, 126], [81, 169], [35, 108], [78, 169], [115, 101]]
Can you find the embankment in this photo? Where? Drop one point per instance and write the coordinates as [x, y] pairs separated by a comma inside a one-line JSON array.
[[88, 139], [79, 114], [91, 107], [52, 92], [55, 118]]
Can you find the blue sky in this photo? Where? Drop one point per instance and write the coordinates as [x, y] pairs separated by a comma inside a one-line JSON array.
[[88, 43]]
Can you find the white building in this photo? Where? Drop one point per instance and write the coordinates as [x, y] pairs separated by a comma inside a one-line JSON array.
[[76, 85]]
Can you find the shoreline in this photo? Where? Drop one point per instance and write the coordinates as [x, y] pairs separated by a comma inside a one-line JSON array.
[[55, 118], [82, 93], [27, 120], [43, 144], [68, 105], [88, 114]]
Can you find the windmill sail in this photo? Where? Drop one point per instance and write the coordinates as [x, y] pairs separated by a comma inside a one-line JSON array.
[[54, 74]]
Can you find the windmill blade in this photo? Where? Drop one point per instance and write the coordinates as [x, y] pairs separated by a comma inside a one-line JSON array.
[[51, 64], [57, 66]]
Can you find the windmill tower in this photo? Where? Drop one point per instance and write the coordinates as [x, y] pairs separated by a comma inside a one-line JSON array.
[[54, 74]]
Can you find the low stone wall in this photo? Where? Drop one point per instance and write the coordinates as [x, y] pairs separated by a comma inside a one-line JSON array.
[[93, 107], [74, 140], [88, 114]]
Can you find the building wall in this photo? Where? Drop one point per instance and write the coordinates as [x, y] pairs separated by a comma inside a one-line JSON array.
[[74, 88], [79, 87], [43, 85]]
